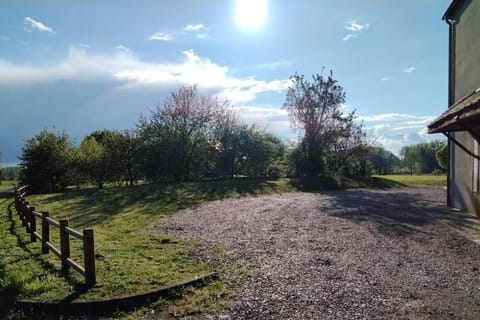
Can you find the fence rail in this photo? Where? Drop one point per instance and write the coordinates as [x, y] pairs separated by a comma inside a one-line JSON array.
[[28, 216]]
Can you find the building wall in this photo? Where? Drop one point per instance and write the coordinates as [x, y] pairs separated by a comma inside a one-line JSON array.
[[465, 77]]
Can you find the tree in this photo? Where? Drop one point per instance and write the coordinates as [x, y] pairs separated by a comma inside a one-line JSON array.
[[109, 156], [10, 173], [421, 157], [442, 157], [315, 107], [46, 162], [382, 161], [348, 146], [91, 155], [185, 124]]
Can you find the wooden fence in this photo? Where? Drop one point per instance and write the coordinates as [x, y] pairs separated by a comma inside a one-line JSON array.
[[28, 216]]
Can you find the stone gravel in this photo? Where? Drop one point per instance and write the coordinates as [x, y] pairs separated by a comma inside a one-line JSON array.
[[355, 254]]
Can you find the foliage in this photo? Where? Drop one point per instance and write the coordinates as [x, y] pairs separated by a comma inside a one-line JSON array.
[[421, 157], [187, 122], [108, 156], [195, 137], [382, 161], [45, 162], [442, 157], [331, 138], [10, 173]]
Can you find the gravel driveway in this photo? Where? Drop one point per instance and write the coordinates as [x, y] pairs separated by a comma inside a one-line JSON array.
[[357, 254]]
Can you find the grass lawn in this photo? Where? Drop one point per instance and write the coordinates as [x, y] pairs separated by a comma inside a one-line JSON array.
[[131, 256], [416, 180], [7, 183]]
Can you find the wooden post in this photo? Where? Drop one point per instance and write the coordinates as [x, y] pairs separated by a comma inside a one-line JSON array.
[[45, 232], [22, 214], [33, 224], [26, 217], [89, 257], [64, 244]]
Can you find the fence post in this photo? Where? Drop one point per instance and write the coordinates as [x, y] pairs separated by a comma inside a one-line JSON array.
[[26, 216], [64, 244], [45, 232], [89, 257], [22, 214], [33, 224]]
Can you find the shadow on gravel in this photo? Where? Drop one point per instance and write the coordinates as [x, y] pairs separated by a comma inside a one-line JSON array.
[[394, 213]]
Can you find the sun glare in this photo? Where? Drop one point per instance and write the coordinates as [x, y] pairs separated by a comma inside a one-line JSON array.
[[251, 14]]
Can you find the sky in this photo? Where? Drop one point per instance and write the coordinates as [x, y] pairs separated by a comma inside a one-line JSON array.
[[85, 65]]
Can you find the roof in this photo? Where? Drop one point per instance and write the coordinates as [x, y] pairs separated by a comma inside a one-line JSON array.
[[452, 7], [463, 115]]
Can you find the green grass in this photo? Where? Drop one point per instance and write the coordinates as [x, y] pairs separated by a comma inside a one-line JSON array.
[[133, 252], [417, 180], [7, 183]]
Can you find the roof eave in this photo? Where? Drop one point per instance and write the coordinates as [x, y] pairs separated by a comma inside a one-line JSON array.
[[463, 114], [452, 7]]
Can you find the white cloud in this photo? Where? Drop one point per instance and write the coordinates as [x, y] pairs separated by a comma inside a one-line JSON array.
[[394, 117], [395, 130], [37, 25], [386, 78], [274, 65], [127, 70], [202, 36], [161, 36], [123, 49], [407, 127], [345, 107], [196, 27], [271, 118], [409, 70], [354, 26], [349, 36]]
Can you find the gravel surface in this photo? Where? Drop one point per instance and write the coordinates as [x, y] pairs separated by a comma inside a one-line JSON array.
[[356, 254]]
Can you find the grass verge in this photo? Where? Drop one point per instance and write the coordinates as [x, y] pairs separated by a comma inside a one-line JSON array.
[[7, 183], [130, 256], [416, 180]]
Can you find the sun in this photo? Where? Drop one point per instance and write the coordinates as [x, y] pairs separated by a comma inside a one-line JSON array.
[[251, 14]]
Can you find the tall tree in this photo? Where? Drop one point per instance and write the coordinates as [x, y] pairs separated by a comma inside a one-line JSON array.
[[383, 161], [442, 157], [315, 108], [46, 162], [91, 155], [187, 120], [421, 157]]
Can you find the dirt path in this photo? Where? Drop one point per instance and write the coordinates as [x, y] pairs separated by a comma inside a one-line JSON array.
[[360, 254]]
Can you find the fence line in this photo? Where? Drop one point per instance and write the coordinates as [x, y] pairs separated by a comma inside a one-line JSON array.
[[28, 215]]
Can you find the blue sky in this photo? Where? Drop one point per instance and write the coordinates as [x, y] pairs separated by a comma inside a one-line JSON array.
[[86, 65]]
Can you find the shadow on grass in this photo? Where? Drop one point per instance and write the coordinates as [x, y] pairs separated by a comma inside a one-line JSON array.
[[92, 207], [12, 291], [324, 183], [394, 213]]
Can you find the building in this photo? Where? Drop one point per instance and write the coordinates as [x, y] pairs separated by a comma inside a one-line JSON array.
[[461, 122]]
